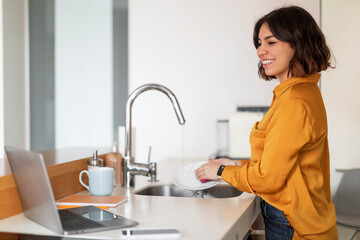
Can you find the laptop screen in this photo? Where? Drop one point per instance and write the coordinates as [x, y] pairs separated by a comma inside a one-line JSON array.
[[34, 189]]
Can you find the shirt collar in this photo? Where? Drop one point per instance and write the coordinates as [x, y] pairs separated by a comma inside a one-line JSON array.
[[282, 87]]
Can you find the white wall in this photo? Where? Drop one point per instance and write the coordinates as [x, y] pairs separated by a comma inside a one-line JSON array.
[[15, 73], [340, 87], [1, 84], [83, 73], [202, 50]]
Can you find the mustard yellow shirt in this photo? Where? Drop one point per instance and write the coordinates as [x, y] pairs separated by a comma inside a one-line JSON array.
[[289, 164]]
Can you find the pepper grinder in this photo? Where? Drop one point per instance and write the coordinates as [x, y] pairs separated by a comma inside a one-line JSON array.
[[95, 161], [114, 160]]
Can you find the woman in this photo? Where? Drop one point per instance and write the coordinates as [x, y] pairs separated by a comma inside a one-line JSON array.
[[289, 165]]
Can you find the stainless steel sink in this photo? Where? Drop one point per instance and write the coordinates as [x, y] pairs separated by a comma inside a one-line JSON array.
[[170, 190]]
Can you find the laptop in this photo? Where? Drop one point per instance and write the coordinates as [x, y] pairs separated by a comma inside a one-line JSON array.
[[38, 202]]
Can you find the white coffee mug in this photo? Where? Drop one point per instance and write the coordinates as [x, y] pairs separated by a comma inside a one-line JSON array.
[[101, 180]]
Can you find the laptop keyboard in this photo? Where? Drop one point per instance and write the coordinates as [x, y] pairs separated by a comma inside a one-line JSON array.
[[73, 222]]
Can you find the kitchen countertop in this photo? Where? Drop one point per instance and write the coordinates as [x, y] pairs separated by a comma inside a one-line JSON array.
[[196, 218]]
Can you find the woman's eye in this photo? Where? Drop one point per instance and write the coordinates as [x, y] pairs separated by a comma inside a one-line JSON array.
[[271, 43]]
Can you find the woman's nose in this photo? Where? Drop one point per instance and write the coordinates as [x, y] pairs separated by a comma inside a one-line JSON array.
[[261, 50]]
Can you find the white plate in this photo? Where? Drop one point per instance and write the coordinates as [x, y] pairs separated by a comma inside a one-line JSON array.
[[185, 178]]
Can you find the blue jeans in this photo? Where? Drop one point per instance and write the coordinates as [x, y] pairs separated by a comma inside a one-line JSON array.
[[277, 226]]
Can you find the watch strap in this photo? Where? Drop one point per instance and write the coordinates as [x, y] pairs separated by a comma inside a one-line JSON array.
[[220, 170]]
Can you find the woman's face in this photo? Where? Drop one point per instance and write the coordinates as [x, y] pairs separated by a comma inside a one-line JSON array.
[[274, 54]]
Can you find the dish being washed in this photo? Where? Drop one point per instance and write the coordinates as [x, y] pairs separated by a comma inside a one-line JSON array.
[[185, 178]]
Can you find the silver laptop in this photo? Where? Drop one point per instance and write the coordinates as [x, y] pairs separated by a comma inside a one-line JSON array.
[[38, 202]]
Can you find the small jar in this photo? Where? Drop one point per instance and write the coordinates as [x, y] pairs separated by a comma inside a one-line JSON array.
[[95, 161]]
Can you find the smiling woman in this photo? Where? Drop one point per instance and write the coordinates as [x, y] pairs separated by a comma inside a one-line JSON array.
[[289, 165], [292, 48]]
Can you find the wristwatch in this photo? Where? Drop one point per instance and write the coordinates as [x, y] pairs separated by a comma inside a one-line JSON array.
[[221, 169]]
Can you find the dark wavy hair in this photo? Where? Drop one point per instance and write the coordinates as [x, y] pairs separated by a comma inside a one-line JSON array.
[[297, 27]]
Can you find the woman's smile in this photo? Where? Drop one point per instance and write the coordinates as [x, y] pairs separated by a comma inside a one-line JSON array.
[[266, 63]]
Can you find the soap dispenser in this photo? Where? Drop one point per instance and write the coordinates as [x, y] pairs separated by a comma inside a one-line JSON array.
[[114, 160], [95, 161]]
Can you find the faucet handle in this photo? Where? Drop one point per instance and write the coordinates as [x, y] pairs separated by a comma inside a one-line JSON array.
[[149, 154], [153, 172], [152, 167]]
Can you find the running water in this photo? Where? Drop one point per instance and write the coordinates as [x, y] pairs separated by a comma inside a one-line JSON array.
[[182, 145]]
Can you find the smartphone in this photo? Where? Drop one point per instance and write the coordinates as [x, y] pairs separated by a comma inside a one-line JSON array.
[[150, 233]]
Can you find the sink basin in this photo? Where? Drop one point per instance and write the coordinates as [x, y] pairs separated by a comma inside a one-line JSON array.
[[170, 190]]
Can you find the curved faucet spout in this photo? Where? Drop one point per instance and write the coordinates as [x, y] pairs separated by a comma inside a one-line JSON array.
[[128, 125]]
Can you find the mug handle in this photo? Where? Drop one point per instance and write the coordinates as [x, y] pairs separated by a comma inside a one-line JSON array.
[[82, 183]]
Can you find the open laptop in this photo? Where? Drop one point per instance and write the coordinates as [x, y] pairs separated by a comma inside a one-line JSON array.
[[38, 202]]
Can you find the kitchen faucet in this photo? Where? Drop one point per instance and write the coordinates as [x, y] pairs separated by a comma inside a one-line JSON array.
[[130, 167]]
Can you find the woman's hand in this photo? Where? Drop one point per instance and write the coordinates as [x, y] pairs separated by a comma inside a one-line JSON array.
[[208, 171]]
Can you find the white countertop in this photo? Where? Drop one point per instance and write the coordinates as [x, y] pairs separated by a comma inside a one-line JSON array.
[[195, 218]]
